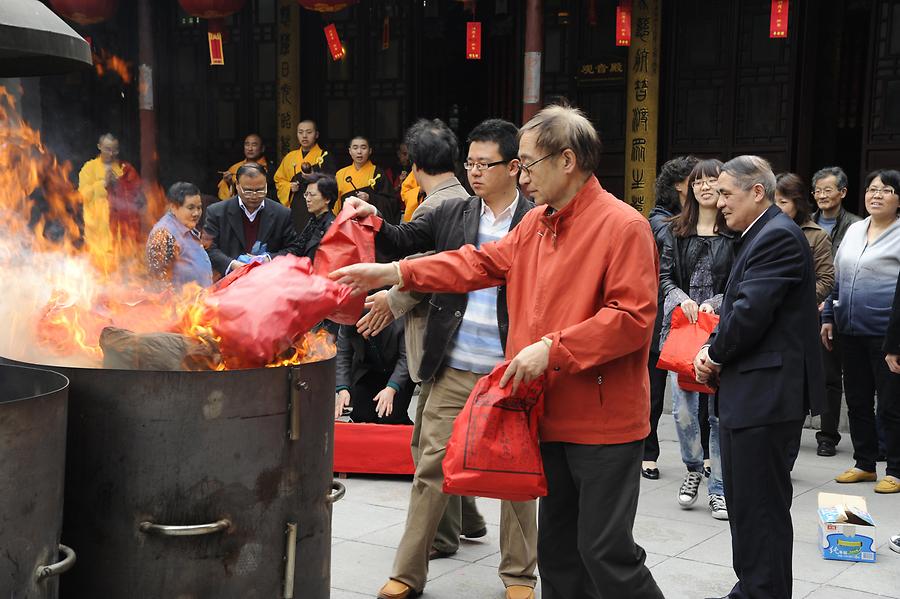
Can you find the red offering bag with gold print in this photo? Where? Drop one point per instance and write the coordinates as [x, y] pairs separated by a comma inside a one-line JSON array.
[[494, 449]]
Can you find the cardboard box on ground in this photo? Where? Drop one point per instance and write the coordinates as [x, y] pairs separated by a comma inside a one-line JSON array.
[[846, 529]]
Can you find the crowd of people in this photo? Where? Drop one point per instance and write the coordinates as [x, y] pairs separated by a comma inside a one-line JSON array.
[[529, 258]]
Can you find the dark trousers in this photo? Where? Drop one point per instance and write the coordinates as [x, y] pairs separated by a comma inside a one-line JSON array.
[[703, 411], [756, 473], [657, 394], [834, 391], [368, 387], [865, 374], [586, 549]]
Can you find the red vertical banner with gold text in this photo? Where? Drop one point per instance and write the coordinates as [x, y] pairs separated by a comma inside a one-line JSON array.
[[334, 42], [216, 54], [623, 23], [473, 40], [778, 19], [642, 115]]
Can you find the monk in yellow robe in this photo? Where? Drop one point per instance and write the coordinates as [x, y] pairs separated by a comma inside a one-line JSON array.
[[367, 182], [106, 216], [308, 159], [409, 193], [254, 150]]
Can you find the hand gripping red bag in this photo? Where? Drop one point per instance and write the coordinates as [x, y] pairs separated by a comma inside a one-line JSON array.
[[494, 450], [264, 308], [681, 347], [347, 241]]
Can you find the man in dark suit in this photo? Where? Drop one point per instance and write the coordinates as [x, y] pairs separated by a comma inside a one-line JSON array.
[[765, 359], [248, 226]]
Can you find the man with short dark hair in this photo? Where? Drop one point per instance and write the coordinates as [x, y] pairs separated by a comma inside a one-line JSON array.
[[829, 191], [580, 277], [764, 358], [248, 227], [463, 341]]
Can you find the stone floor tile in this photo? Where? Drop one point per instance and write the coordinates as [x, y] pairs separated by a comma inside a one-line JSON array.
[[670, 537], [350, 520]]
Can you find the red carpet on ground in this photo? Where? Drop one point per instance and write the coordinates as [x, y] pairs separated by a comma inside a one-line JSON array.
[[362, 448]]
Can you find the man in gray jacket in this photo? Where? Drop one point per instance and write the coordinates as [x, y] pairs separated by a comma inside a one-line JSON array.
[[829, 191]]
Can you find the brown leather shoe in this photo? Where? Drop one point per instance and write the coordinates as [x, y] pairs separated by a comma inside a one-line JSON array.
[[518, 591], [855, 475], [434, 553], [394, 589]]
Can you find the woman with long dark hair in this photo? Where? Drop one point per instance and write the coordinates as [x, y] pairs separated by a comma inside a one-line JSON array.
[[694, 267], [671, 194]]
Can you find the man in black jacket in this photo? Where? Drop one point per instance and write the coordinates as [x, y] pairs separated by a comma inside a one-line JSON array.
[[765, 358], [464, 339], [249, 226], [371, 375]]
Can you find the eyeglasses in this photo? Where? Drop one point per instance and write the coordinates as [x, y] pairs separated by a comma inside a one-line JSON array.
[[823, 192], [481, 166], [882, 191], [698, 183], [309, 194], [526, 168], [253, 193]]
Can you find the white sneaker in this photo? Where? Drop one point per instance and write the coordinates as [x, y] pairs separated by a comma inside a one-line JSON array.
[[687, 494], [717, 507], [895, 543]]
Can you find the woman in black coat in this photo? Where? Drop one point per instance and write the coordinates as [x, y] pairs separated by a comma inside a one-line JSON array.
[[320, 195]]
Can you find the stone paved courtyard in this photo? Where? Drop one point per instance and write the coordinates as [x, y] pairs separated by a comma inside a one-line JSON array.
[[688, 551]]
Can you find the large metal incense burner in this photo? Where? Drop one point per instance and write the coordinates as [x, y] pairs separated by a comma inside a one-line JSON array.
[[32, 462], [190, 485]]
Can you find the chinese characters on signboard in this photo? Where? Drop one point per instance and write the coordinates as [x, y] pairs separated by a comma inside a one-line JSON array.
[[642, 89], [778, 19], [288, 74], [473, 40]]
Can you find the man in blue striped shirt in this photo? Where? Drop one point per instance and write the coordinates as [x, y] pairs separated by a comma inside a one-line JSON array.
[[464, 340]]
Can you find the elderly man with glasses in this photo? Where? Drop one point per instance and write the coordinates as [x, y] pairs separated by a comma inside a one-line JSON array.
[[580, 277], [248, 226], [829, 191]]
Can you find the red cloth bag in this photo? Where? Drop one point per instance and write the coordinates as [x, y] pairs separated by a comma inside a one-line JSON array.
[[494, 450], [264, 308], [684, 341], [348, 241]]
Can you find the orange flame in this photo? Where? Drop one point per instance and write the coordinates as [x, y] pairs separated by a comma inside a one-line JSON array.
[[106, 62], [61, 293]]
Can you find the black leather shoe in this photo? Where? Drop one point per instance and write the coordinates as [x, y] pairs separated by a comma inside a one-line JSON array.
[[438, 554], [826, 448], [650, 473], [476, 534]]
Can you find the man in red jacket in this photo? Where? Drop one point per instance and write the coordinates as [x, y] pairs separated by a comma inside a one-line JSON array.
[[580, 272]]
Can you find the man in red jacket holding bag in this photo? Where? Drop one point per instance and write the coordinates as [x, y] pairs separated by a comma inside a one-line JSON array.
[[581, 280]]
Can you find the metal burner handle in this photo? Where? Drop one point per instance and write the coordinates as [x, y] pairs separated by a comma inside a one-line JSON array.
[[338, 491], [185, 531], [58, 568]]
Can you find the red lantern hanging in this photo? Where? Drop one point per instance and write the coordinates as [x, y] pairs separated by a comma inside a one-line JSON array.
[[215, 12], [326, 5], [85, 12]]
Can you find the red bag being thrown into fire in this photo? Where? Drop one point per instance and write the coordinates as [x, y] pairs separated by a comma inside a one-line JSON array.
[[681, 347], [346, 242], [264, 308], [494, 450]]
